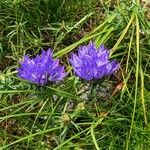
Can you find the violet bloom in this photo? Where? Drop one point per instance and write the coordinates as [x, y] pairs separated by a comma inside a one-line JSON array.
[[93, 63], [41, 69]]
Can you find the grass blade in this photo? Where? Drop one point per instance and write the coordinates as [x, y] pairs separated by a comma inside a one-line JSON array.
[[94, 139]]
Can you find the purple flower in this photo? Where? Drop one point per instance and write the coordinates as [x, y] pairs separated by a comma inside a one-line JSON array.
[[93, 63], [41, 69]]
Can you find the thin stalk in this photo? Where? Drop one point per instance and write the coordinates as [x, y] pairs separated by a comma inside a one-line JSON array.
[[142, 96], [130, 44], [137, 76]]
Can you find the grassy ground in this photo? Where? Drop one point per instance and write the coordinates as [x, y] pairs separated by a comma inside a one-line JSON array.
[[63, 116]]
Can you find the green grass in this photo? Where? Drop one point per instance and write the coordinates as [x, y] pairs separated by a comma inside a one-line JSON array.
[[61, 117]]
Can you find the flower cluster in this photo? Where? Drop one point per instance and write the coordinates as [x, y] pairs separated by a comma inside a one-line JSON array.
[[93, 63], [41, 69], [90, 63]]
